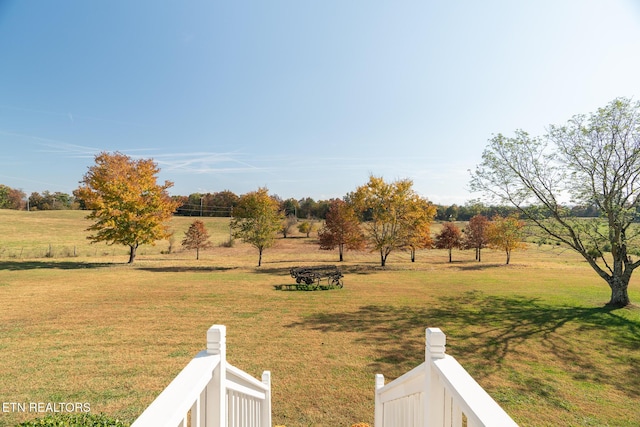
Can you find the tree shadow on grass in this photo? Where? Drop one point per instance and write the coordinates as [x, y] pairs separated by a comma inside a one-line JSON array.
[[58, 265], [185, 269], [482, 266], [486, 329], [277, 271], [345, 269]]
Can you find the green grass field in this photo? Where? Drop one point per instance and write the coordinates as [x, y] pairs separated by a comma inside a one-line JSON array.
[[77, 324]]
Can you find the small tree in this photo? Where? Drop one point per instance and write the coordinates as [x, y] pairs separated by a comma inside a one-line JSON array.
[[476, 235], [449, 238], [129, 207], [256, 220], [341, 229], [196, 237], [306, 227], [287, 224], [418, 225], [506, 233]]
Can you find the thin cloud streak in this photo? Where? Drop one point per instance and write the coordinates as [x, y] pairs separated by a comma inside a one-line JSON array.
[[70, 150], [217, 163], [205, 162], [54, 146], [67, 115], [32, 181]]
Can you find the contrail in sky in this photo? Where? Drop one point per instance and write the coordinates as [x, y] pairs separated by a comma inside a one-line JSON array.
[[68, 115]]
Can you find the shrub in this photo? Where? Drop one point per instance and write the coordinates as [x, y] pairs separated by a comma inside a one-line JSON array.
[[75, 420], [228, 244]]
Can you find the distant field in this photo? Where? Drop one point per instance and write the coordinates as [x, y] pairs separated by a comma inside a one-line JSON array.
[[61, 234], [89, 328]]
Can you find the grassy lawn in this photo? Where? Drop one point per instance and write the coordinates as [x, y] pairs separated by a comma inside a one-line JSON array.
[[89, 328]]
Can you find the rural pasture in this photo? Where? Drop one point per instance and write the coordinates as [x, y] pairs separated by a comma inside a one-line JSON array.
[[77, 324]]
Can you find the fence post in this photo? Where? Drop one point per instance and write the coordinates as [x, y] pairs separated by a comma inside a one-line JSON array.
[[378, 419], [434, 349], [216, 390], [266, 406]]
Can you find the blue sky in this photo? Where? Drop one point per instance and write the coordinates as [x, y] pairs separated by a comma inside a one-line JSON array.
[[306, 98]]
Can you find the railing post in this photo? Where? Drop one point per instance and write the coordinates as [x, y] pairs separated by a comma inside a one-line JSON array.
[[216, 390], [266, 406], [378, 419], [434, 349]]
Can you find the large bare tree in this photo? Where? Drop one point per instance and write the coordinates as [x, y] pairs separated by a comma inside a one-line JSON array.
[[593, 159]]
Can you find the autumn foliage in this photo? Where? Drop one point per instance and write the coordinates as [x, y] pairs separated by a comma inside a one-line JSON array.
[[306, 227], [394, 215], [341, 229], [10, 198], [506, 233], [477, 235], [196, 237], [418, 225], [449, 237], [129, 207]]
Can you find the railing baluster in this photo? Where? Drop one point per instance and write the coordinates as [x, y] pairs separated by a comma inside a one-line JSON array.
[[456, 414], [195, 413], [448, 410], [201, 413]]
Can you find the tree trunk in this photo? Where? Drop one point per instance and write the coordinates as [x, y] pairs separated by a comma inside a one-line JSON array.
[[450, 255], [197, 253], [508, 257], [383, 258], [413, 255], [132, 253], [340, 251], [479, 256], [619, 293], [259, 257]]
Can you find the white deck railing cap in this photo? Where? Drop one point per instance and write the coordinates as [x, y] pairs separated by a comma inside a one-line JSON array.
[[216, 339], [436, 342]]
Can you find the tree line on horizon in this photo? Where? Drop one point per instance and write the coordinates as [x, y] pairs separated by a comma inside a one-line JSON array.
[[222, 204]]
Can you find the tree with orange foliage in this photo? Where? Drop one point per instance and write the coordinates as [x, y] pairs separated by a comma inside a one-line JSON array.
[[506, 233], [196, 237], [418, 225], [11, 198], [129, 207], [341, 229], [476, 236], [389, 212], [449, 237]]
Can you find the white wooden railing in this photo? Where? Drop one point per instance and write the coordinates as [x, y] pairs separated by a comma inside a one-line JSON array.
[[439, 392], [209, 392]]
